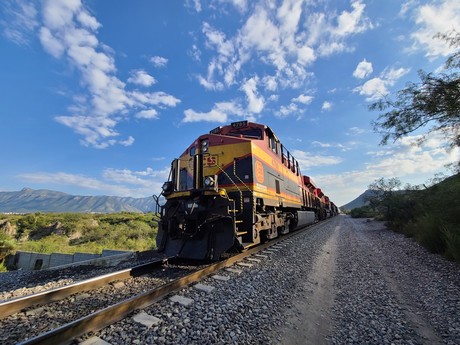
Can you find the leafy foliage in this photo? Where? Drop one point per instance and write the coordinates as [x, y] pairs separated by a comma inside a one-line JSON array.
[[363, 212], [431, 215], [435, 99], [7, 247]]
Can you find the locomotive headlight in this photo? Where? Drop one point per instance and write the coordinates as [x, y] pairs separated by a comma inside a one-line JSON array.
[[210, 182], [167, 188], [204, 145]]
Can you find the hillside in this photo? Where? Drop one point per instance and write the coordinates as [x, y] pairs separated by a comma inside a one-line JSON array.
[[358, 202], [42, 200]]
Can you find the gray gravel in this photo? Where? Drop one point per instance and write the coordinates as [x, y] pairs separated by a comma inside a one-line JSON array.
[[389, 290], [250, 308], [386, 289]]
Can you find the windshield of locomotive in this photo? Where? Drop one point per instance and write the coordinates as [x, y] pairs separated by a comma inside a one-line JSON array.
[[186, 169], [253, 133], [185, 179]]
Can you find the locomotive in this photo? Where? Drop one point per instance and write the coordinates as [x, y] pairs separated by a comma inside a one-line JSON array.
[[232, 189]]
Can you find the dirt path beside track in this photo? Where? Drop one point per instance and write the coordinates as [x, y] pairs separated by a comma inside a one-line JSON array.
[[370, 285]]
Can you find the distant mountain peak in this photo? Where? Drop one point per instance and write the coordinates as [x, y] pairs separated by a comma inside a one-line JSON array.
[[28, 200], [358, 202]]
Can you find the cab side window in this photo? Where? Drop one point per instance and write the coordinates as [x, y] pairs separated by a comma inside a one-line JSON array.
[[272, 145]]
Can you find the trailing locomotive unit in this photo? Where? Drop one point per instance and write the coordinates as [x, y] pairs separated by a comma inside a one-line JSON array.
[[232, 189]]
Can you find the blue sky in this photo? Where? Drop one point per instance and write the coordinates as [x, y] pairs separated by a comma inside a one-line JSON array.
[[97, 97]]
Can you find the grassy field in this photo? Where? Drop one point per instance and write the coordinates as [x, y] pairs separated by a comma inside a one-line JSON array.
[[76, 232]]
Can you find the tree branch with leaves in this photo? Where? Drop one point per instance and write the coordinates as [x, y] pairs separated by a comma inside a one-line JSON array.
[[434, 100]]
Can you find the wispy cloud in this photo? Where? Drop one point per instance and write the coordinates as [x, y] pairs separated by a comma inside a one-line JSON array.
[[304, 99], [68, 32], [404, 160], [309, 160], [21, 21], [285, 39], [220, 113], [377, 87], [159, 61], [431, 19], [119, 182]]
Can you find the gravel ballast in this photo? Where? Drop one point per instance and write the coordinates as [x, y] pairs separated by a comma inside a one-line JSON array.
[[343, 281]]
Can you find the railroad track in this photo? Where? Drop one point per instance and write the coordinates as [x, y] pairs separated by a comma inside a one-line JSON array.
[[107, 315], [15, 305]]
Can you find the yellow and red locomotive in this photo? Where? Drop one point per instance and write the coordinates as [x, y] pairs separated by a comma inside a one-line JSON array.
[[232, 189]]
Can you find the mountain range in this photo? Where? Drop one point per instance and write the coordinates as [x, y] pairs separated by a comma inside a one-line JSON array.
[[30, 200], [42, 200]]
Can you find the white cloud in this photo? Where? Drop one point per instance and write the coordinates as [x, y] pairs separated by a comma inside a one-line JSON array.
[[127, 142], [329, 31], [158, 61], [355, 131], [147, 114], [255, 101], [219, 113], [410, 163], [119, 182], [68, 32], [304, 99], [353, 22], [373, 89], [284, 38], [52, 45], [140, 77], [326, 106], [159, 98], [377, 87], [363, 69], [195, 4], [433, 18], [392, 75], [285, 111], [308, 160], [329, 145], [270, 83], [21, 21]]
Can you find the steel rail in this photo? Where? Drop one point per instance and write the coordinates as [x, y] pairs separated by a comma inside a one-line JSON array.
[[15, 305], [107, 316]]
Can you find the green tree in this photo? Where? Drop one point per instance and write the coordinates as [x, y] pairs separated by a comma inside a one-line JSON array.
[[435, 100]]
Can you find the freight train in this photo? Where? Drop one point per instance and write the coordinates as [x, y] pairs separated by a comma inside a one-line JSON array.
[[232, 189]]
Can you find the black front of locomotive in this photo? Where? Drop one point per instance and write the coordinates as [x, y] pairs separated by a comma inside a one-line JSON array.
[[197, 220]]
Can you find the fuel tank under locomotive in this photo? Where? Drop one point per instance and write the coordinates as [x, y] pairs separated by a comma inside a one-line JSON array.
[[304, 218]]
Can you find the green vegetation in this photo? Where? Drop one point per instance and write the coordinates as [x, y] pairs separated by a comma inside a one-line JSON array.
[[365, 211], [6, 248], [435, 100], [431, 215], [76, 232]]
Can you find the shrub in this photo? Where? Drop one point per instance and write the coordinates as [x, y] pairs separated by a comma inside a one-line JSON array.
[[451, 235], [427, 231], [362, 212], [2, 267]]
